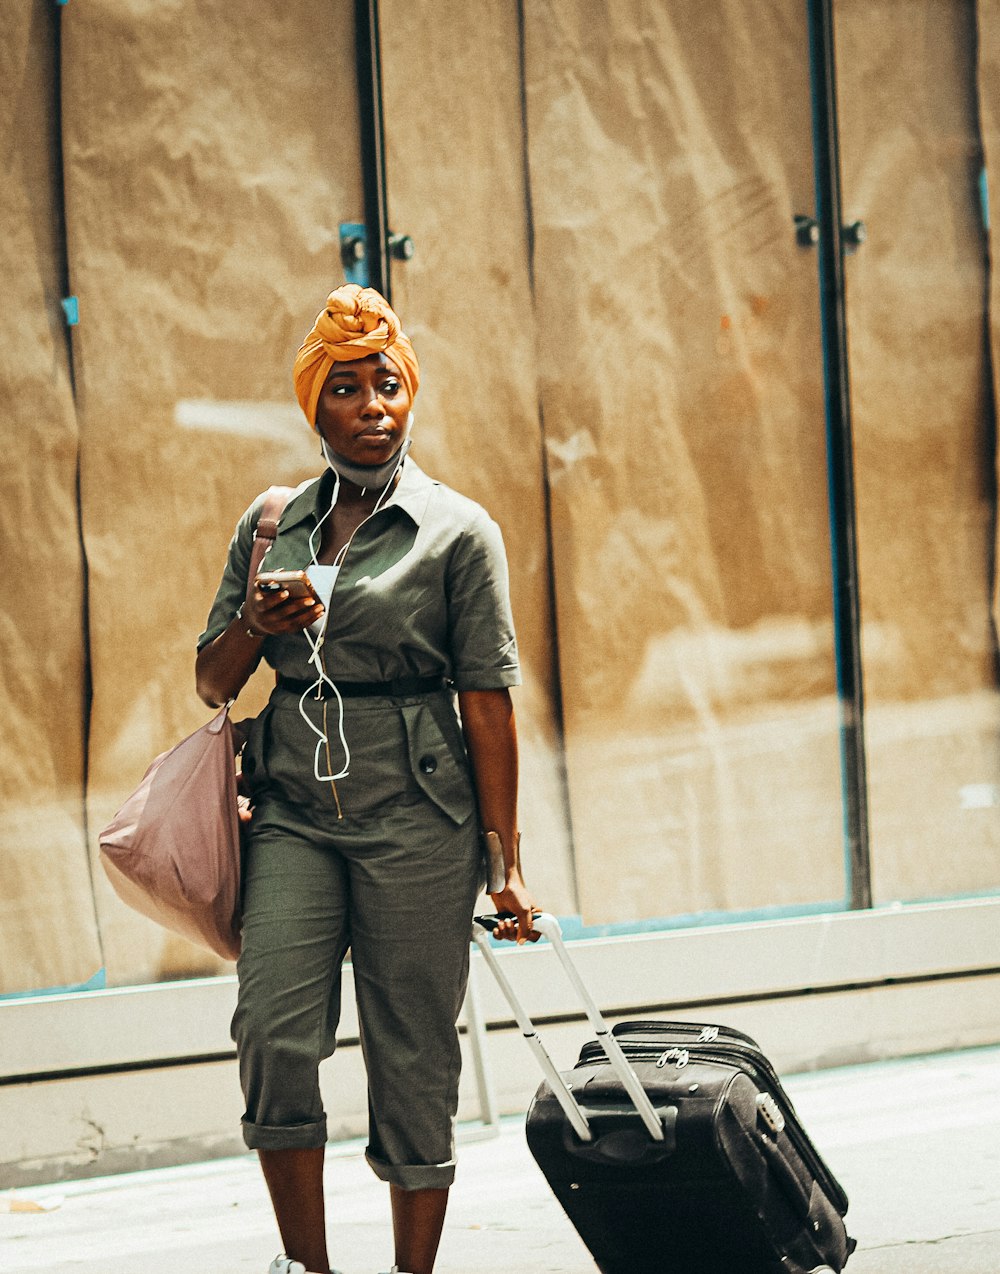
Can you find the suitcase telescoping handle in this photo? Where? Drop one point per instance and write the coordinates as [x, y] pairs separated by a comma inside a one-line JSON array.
[[548, 926]]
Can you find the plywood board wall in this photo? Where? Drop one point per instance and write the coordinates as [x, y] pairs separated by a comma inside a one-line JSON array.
[[924, 442], [48, 930], [456, 180], [680, 376], [209, 162]]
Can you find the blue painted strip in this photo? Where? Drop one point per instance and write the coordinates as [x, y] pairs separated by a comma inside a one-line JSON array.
[[984, 199], [98, 982], [355, 271], [979, 895], [71, 308], [573, 926]]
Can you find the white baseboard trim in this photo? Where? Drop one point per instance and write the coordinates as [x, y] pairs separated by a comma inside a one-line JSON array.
[[90, 1031]]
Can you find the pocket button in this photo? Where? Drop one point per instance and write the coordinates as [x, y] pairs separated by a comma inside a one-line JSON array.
[[428, 764]]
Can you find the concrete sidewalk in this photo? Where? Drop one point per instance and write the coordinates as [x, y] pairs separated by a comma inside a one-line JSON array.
[[916, 1144]]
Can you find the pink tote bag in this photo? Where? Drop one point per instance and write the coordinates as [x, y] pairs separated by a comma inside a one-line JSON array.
[[173, 849], [172, 852]]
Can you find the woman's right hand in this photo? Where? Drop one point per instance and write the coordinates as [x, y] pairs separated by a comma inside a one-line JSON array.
[[520, 908], [270, 614]]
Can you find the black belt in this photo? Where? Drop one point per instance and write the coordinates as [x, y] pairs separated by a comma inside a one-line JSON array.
[[399, 687]]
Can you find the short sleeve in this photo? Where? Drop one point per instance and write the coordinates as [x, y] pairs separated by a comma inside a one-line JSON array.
[[480, 623], [233, 587]]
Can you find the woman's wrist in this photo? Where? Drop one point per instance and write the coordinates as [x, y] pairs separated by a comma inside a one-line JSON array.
[[503, 855], [247, 627]]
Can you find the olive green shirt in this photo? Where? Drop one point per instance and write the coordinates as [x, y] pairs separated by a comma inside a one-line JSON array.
[[422, 591]]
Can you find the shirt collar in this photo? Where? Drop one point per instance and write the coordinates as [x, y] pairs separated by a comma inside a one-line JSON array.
[[411, 494]]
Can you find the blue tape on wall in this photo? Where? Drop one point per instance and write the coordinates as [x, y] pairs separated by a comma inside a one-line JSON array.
[[354, 253], [98, 982], [984, 199], [573, 926]]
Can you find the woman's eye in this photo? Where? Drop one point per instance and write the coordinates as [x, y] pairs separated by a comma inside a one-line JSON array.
[[389, 387]]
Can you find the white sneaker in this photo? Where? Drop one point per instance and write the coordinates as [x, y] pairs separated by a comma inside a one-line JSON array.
[[285, 1265]]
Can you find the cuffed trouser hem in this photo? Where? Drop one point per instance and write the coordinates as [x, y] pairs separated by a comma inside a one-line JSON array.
[[295, 1137], [413, 1176]]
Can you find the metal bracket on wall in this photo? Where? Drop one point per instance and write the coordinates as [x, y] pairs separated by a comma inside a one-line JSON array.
[[854, 234], [354, 251], [401, 247], [806, 231]]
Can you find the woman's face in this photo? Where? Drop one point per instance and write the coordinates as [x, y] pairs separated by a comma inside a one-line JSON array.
[[363, 410]]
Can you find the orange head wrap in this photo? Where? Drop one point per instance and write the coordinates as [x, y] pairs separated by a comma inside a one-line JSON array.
[[355, 322]]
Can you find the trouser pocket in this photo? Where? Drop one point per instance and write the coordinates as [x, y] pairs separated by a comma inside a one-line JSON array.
[[437, 758]]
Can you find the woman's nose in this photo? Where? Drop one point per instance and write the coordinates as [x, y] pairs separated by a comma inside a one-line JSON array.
[[373, 404]]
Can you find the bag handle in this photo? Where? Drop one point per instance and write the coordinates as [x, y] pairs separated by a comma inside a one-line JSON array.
[[548, 925]]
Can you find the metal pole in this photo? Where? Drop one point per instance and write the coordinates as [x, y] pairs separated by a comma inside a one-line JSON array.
[[475, 1025], [840, 452], [369, 63]]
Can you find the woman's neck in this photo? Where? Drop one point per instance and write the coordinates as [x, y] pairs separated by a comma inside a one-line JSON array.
[[353, 496], [378, 476]]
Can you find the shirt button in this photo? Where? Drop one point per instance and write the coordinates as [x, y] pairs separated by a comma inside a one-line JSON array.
[[428, 764]]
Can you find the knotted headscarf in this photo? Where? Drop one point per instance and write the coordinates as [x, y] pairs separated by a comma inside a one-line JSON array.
[[355, 322]]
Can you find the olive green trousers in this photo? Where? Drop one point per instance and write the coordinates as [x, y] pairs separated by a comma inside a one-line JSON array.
[[392, 876]]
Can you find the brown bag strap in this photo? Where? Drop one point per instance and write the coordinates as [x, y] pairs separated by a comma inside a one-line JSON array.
[[275, 500]]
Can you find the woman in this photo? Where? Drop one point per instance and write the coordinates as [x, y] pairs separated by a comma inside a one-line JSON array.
[[369, 797]]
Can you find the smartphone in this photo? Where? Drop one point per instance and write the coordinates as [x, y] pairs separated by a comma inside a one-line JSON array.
[[296, 583]]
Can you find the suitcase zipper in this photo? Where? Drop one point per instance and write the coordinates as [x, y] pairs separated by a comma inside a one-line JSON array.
[[725, 1054], [701, 1032], [729, 1042], [679, 1055]]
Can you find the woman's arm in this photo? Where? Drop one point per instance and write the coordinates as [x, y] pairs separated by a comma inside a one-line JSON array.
[[224, 666], [491, 739]]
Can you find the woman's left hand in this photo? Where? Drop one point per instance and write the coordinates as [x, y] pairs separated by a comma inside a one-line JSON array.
[[514, 898]]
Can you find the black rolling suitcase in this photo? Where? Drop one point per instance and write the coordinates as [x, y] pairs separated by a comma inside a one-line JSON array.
[[673, 1148]]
